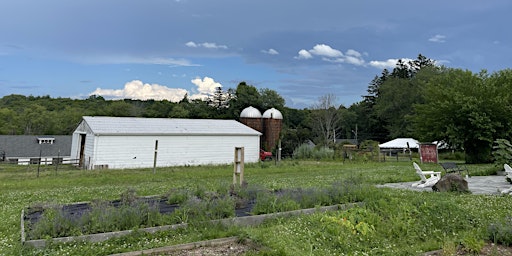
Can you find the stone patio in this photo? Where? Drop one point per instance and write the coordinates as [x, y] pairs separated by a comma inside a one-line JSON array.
[[478, 185]]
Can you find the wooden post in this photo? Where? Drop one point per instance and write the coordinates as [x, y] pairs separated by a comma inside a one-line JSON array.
[[38, 163], [238, 165], [279, 152], [154, 160], [57, 162]]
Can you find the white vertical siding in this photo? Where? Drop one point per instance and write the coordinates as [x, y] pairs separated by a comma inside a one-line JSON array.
[[75, 145], [173, 150], [82, 129]]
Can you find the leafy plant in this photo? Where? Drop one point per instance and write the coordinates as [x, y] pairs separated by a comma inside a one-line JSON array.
[[502, 152], [177, 196], [472, 242], [304, 151], [501, 232]]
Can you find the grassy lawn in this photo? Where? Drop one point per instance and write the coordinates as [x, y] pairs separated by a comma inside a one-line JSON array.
[[392, 222]]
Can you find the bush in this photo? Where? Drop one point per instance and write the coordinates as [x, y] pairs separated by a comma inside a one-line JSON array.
[[455, 156], [177, 196], [502, 152], [323, 153], [306, 151], [501, 232]]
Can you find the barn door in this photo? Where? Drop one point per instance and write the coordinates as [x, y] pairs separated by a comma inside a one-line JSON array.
[[82, 151]]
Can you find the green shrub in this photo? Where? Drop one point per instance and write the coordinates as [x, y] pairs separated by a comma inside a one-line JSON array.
[[472, 242], [454, 156], [322, 153], [502, 152], [501, 232], [53, 223], [304, 151], [177, 196]]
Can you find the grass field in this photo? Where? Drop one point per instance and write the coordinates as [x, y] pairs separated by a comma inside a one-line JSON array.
[[391, 222]]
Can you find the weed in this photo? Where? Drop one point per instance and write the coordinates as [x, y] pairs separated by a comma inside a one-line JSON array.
[[501, 232], [177, 196]]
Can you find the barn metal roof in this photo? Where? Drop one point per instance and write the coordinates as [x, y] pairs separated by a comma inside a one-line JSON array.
[[104, 125]]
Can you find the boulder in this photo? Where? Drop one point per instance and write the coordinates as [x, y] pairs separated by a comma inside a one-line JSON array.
[[452, 182]]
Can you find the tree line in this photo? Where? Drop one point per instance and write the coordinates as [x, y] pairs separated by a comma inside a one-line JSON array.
[[468, 111]]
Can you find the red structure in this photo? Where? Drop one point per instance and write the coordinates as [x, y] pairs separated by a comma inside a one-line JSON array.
[[251, 117], [269, 124], [272, 122]]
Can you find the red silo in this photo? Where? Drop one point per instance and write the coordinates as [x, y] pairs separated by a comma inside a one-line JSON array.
[[251, 117], [272, 123]]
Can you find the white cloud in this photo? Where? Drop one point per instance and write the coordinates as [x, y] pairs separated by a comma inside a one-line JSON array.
[[192, 44], [136, 89], [330, 54], [354, 53], [270, 51], [304, 55], [437, 39], [354, 60], [206, 45], [325, 50], [205, 87], [389, 63]]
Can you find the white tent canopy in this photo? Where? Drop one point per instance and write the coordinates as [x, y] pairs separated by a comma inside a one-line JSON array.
[[400, 143]]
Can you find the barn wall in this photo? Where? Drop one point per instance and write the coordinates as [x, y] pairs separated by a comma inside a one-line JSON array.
[[83, 128], [118, 152]]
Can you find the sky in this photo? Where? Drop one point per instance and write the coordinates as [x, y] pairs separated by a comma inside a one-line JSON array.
[[164, 49]]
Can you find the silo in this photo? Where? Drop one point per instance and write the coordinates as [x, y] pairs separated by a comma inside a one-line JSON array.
[[272, 123], [251, 117]]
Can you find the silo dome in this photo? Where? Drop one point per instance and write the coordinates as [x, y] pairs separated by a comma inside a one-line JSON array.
[[250, 112], [273, 113]]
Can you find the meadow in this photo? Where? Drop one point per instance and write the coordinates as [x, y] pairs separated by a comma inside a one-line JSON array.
[[391, 222]]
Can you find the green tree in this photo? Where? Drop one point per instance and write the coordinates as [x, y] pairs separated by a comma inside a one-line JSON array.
[[271, 99], [399, 92], [157, 108], [296, 129], [35, 120], [178, 111], [466, 110], [120, 108], [200, 109], [9, 122], [245, 96]]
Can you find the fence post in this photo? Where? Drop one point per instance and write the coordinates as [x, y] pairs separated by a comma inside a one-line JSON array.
[[154, 160], [238, 165]]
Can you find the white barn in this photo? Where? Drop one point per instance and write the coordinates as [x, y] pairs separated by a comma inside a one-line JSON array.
[[128, 142]]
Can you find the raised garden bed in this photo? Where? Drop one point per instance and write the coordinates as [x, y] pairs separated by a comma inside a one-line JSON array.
[[99, 220]]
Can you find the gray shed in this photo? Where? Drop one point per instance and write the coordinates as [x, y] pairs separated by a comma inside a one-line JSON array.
[[25, 149]]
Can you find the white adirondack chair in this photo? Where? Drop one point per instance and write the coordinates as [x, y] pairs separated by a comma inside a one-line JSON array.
[[426, 182], [508, 174], [508, 171]]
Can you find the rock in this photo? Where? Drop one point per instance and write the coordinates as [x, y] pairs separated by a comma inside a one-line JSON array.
[[452, 182]]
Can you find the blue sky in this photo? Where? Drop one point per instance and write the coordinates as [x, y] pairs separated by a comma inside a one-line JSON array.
[[302, 49]]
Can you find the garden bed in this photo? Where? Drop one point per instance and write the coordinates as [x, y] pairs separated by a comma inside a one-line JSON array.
[[100, 220]]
